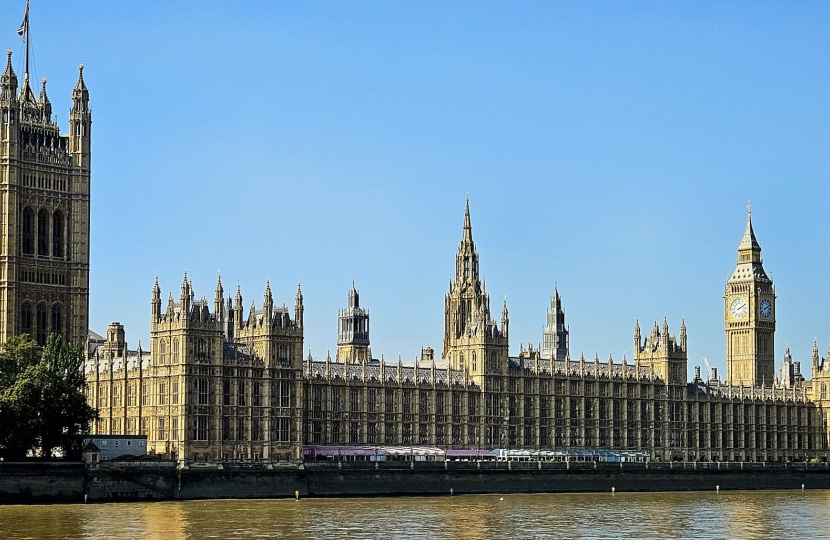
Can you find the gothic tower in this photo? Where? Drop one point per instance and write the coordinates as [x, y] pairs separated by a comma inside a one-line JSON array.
[[662, 353], [749, 316], [473, 342], [44, 195], [555, 337], [353, 331]]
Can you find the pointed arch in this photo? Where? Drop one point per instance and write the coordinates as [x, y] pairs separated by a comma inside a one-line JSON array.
[[57, 319], [43, 232], [26, 319], [28, 231], [42, 324], [58, 231]]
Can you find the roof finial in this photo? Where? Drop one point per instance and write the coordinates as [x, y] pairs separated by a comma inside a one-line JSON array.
[[749, 207]]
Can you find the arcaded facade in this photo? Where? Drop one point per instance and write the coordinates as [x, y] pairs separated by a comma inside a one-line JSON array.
[[44, 211], [221, 383]]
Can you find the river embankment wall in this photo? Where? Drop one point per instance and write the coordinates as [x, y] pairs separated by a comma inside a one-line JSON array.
[[22, 483]]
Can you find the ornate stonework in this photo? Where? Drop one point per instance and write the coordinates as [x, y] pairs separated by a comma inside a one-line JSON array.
[[223, 384], [44, 212]]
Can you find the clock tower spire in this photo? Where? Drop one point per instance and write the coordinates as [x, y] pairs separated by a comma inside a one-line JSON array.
[[749, 316]]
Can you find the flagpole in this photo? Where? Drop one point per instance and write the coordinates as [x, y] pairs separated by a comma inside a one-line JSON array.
[[28, 37]]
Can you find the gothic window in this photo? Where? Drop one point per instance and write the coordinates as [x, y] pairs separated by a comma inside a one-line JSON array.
[[26, 319], [474, 362], [163, 352], [285, 394], [57, 320], [175, 350], [256, 395], [283, 353], [461, 361], [43, 232], [57, 234], [200, 431], [201, 349], [202, 391], [823, 391], [41, 324], [28, 231], [373, 405]]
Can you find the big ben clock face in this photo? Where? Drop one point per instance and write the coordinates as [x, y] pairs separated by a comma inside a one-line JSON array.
[[766, 308], [738, 308]]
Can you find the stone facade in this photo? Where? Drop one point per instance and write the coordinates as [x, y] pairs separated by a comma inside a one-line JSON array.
[[223, 384], [44, 209]]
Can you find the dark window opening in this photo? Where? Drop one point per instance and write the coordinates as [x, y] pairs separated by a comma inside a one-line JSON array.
[[41, 325], [57, 235], [42, 232]]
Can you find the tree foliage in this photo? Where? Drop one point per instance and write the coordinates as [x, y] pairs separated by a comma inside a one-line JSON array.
[[42, 401]]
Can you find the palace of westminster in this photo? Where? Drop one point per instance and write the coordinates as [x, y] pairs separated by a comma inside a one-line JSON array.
[[222, 382]]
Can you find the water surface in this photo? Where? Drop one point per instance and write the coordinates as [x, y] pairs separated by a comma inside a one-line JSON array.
[[745, 514]]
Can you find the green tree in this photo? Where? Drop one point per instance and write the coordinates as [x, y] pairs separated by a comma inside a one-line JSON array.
[[42, 401]]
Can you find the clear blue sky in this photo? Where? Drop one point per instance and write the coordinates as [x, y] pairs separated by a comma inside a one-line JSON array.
[[608, 147]]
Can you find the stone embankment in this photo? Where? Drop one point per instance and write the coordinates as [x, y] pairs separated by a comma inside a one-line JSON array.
[[166, 480]]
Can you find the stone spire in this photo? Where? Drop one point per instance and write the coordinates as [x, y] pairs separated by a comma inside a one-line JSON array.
[[44, 103], [467, 237], [8, 81], [637, 338], [267, 297], [505, 321], [555, 336], [27, 96], [749, 242], [156, 302], [354, 297], [80, 94], [298, 307]]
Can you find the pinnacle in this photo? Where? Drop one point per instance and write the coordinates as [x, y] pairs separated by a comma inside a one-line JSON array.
[[468, 228], [749, 242]]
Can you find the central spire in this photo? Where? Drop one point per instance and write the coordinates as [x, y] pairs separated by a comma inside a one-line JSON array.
[[468, 228], [466, 270]]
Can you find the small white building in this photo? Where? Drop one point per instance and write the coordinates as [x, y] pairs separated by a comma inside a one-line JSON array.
[[114, 446]]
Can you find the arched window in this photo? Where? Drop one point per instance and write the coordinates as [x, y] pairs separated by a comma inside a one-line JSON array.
[[26, 319], [163, 352], [41, 324], [283, 353], [57, 235], [475, 363], [57, 320], [461, 361], [43, 232], [28, 243], [175, 350], [201, 349]]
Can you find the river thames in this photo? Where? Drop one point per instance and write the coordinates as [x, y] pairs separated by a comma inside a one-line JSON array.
[[746, 514]]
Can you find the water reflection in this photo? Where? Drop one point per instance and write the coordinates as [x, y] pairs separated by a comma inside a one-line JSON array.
[[781, 514]]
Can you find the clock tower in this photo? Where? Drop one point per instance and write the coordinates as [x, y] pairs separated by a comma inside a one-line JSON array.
[[749, 316]]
